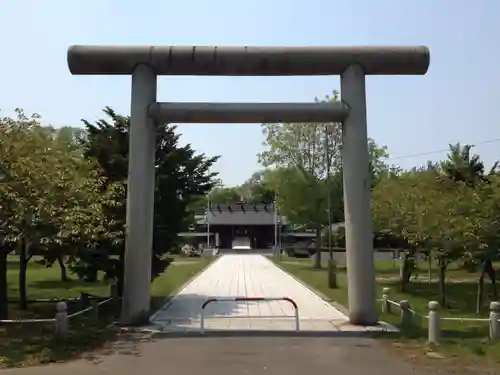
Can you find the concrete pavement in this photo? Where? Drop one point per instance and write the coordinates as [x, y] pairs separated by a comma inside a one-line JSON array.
[[247, 276]]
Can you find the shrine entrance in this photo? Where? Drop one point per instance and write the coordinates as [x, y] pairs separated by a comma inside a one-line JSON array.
[[145, 63]]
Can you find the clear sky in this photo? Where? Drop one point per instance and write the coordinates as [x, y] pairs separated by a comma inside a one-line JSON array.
[[457, 101]]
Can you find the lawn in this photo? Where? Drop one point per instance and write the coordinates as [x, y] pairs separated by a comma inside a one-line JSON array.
[[462, 341], [29, 344]]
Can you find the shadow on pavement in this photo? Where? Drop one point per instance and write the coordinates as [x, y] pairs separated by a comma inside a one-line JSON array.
[[188, 307]]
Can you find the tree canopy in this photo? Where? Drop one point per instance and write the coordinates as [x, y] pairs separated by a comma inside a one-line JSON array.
[[449, 211], [63, 195], [308, 163]]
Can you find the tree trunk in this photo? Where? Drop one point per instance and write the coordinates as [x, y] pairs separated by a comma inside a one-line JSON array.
[[4, 300], [442, 283], [486, 269], [64, 272], [121, 271], [93, 273], [490, 271], [429, 268], [480, 293], [405, 271], [23, 269], [494, 287], [317, 254], [332, 274], [402, 262]]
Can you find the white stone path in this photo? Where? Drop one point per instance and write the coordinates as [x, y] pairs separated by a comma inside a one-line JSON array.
[[247, 276]]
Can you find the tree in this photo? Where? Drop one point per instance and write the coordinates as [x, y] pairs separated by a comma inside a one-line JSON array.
[[444, 218], [224, 195], [464, 167], [300, 149], [306, 153], [42, 188], [421, 209], [391, 199], [257, 189], [483, 239], [182, 176], [378, 166]]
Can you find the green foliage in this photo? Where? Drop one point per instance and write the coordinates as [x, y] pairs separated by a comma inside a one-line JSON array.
[[304, 154], [49, 195], [182, 176], [257, 189], [449, 210], [63, 195], [223, 195], [461, 166], [307, 158]]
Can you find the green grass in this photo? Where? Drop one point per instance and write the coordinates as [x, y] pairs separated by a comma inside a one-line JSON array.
[[182, 270], [30, 344], [462, 341]]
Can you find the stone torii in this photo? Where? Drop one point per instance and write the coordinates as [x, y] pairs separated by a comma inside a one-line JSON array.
[[145, 63]]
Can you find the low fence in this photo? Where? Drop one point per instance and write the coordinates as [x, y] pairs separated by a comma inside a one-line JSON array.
[[408, 317], [62, 318], [248, 299]]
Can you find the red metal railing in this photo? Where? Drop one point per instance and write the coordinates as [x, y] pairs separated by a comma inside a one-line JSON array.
[[248, 299]]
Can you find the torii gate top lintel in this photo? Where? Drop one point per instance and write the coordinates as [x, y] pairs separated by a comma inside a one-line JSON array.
[[247, 60]]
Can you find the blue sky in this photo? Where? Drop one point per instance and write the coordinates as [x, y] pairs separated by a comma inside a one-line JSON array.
[[457, 101]]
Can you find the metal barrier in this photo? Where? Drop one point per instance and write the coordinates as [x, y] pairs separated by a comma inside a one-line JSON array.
[[248, 299]]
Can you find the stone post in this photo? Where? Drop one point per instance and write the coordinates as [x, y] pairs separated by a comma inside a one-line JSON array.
[[386, 305], [140, 198], [61, 323], [434, 323], [357, 200], [495, 320], [406, 315]]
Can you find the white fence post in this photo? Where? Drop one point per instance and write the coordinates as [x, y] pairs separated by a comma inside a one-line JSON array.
[[61, 324], [495, 320], [434, 323], [406, 314], [386, 305]]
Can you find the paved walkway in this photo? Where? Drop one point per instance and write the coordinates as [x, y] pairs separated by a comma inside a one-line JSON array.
[[247, 276], [239, 355]]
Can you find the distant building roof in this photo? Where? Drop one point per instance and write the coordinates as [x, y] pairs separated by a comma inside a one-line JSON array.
[[241, 214]]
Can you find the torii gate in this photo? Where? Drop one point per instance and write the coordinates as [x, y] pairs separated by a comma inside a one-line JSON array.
[[145, 63]]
